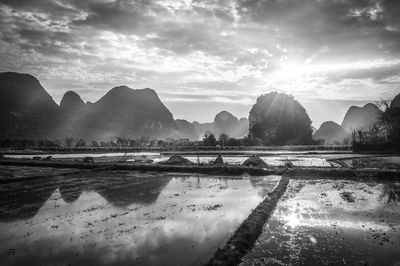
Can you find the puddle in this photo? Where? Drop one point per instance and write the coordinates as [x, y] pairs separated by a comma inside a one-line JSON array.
[[124, 218], [323, 222]]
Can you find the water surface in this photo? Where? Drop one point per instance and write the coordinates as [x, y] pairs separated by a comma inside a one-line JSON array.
[[336, 222], [124, 218]]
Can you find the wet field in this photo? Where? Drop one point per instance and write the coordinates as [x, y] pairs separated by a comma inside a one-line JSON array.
[[11, 172], [147, 218], [297, 159], [124, 218], [326, 222]]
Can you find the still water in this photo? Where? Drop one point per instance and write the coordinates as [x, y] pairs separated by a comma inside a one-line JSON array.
[[332, 222], [124, 218]]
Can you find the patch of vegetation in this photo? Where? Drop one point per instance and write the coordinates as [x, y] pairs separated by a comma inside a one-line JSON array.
[[278, 119]]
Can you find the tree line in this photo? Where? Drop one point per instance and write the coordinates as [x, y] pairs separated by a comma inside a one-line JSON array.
[[383, 135]]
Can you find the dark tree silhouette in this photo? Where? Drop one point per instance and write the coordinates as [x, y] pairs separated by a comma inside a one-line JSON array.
[[209, 140], [278, 119]]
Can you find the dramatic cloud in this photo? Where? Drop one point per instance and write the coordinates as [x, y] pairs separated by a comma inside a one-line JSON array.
[[203, 55]]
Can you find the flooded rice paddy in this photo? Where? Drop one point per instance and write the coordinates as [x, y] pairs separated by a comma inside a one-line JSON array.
[[303, 161], [297, 159], [335, 222], [136, 218], [124, 218], [10, 172]]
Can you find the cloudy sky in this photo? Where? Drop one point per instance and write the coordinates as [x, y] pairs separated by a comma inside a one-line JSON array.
[[206, 56]]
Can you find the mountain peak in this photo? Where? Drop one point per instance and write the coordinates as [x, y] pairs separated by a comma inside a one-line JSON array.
[[18, 76], [23, 101], [395, 102], [360, 118], [224, 116], [331, 132], [227, 123], [71, 100]]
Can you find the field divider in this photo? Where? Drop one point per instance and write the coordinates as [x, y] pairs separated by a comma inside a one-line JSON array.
[[227, 169], [248, 232]]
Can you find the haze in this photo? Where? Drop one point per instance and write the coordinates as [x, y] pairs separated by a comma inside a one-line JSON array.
[[206, 56]]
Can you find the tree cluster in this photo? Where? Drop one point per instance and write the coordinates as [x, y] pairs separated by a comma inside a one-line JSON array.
[[278, 119]]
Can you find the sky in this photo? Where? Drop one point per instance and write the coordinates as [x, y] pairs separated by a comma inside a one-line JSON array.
[[202, 57]]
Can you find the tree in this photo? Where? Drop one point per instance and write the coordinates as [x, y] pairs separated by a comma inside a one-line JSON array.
[[391, 122], [80, 143], [233, 142], [222, 139], [278, 119], [122, 142], [68, 142], [132, 143], [209, 140]]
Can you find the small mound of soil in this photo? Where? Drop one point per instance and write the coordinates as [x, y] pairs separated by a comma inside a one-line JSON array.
[[289, 164], [219, 160], [142, 159], [255, 161], [177, 160], [347, 196], [88, 159]]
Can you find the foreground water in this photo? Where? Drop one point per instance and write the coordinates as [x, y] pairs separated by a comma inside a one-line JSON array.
[[332, 222], [124, 218]]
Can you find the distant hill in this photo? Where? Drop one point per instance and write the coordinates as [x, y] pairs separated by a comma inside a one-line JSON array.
[[395, 102], [361, 118], [71, 102], [202, 128], [225, 122], [331, 133], [185, 130], [123, 112], [26, 109]]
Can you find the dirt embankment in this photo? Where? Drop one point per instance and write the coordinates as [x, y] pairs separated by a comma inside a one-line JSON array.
[[218, 169], [243, 239]]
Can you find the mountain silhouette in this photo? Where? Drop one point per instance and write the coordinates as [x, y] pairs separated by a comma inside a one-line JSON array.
[[71, 102], [124, 112], [361, 118], [185, 129], [203, 128], [395, 102], [26, 109], [225, 122], [331, 133]]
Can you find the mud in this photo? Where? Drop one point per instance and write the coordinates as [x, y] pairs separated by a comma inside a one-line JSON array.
[[245, 236]]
